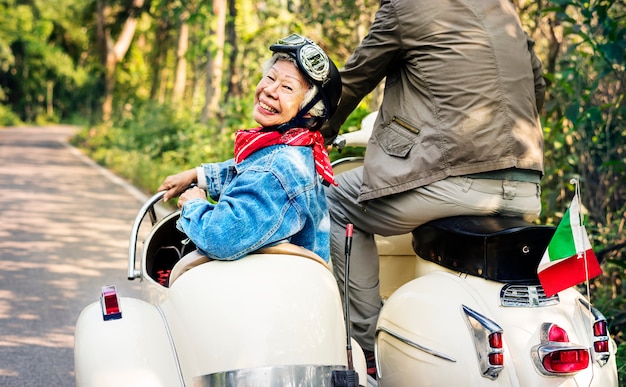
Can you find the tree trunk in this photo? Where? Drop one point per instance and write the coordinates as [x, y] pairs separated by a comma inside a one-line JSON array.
[[180, 77], [114, 51], [215, 63], [160, 57], [234, 82]]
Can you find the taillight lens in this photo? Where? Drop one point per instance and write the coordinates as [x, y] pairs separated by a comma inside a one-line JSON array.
[[601, 332], [496, 359], [600, 329], [566, 361], [601, 346], [495, 340], [558, 334]]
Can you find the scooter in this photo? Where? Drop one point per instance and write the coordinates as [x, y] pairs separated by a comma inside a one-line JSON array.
[[463, 306], [272, 318]]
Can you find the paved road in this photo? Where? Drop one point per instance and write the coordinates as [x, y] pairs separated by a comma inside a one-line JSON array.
[[64, 232]]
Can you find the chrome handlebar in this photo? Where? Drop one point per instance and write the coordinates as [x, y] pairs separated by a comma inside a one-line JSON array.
[[147, 208]]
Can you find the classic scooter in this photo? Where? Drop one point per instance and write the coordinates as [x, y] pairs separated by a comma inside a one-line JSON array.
[[463, 306], [272, 318]]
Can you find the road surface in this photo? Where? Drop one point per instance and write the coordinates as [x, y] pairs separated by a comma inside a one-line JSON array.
[[64, 231]]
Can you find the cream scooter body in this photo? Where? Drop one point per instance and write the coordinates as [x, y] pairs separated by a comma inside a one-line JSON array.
[[269, 319], [439, 313]]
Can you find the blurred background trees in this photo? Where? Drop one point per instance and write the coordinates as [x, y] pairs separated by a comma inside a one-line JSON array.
[[161, 85]]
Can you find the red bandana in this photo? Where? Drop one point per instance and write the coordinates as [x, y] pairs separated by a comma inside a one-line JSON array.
[[249, 141]]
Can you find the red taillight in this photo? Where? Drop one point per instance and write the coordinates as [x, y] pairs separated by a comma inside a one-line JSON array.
[[557, 334], [495, 340], [600, 329], [566, 361], [601, 346], [496, 359], [555, 355], [110, 303]]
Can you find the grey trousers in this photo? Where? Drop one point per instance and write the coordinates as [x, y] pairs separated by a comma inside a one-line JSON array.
[[399, 214]]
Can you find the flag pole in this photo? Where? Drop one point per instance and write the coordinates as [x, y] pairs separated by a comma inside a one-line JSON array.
[[576, 182]]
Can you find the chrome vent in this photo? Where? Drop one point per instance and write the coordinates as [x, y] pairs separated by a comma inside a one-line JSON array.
[[528, 296]]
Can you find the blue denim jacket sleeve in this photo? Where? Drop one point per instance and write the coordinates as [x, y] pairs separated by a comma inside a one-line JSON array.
[[262, 201]]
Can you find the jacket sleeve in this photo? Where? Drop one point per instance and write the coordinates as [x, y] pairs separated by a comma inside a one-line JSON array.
[[213, 177], [540, 83], [249, 215], [367, 66]]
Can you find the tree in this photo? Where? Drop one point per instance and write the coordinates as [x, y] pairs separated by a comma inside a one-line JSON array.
[[112, 52]]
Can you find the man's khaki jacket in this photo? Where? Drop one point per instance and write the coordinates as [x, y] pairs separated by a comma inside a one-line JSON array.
[[462, 93]]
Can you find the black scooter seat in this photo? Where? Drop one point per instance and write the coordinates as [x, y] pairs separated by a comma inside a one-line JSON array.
[[498, 248]]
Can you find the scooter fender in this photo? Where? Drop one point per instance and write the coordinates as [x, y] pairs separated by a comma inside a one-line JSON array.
[[423, 337], [134, 350]]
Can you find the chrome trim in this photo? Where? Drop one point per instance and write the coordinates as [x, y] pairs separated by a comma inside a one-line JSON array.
[[346, 160], [526, 296], [172, 345], [481, 327], [412, 344], [148, 207], [594, 316], [275, 376]]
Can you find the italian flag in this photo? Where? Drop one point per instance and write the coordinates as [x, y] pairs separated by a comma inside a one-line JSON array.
[[569, 259]]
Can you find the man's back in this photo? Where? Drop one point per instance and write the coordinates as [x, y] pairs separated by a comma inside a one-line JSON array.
[[461, 94]]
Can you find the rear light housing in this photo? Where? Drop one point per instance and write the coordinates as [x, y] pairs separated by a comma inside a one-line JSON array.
[[556, 355], [487, 336], [598, 332], [110, 303]]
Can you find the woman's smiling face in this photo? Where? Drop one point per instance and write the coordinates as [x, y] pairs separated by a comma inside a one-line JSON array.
[[279, 94]]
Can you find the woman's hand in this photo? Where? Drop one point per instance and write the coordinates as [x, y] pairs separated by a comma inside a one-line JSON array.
[[178, 183], [193, 193]]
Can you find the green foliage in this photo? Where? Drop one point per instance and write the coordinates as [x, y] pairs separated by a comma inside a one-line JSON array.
[[7, 117], [585, 137], [150, 141], [38, 60]]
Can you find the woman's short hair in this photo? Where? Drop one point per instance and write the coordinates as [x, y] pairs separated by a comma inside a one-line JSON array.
[[318, 109]]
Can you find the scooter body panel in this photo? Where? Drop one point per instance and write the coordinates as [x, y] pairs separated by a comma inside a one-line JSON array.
[[428, 311], [134, 350], [260, 311]]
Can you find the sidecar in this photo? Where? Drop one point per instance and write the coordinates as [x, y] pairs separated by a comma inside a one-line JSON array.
[[273, 318]]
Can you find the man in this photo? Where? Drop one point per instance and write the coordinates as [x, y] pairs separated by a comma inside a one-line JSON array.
[[458, 131]]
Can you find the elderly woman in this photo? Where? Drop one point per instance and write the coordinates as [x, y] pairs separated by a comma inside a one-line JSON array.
[[272, 190]]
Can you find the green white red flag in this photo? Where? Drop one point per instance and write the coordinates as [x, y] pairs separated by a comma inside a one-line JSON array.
[[569, 259]]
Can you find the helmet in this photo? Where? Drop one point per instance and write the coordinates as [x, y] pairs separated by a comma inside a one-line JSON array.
[[319, 70]]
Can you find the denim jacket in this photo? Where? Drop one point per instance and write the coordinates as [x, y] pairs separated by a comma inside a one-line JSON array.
[[272, 196]]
